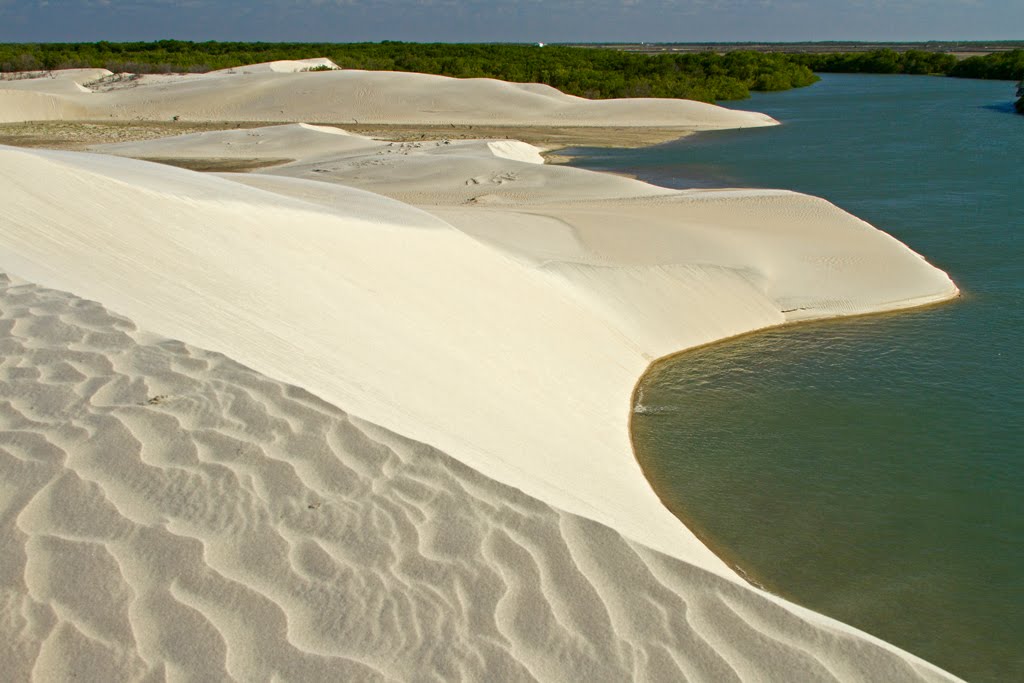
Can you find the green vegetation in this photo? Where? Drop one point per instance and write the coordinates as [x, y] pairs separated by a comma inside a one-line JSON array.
[[998, 65], [1008, 66], [578, 71], [883, 61], [587, 72]]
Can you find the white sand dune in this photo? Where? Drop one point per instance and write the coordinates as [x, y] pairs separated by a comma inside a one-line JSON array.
[[520, 370], [25, 104], [423, 172], [80, 76], [246, 262], [46, 85], [50, 95], [810, 258], [246, 529], [178, 516], [294, 141], [280, 94], [461, 171], [281, 66], [46, 80]]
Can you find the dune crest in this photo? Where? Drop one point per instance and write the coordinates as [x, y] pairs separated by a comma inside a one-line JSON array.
[[281, 66], [281, 91]]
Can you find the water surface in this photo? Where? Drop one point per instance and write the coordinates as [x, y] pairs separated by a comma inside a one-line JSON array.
[[871, 469]]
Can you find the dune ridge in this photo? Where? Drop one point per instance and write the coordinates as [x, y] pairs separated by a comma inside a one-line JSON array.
[[180, 516], [501, 318], [277, 92]]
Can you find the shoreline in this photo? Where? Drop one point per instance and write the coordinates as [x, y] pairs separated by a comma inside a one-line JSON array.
[[88, 133], [585, 295], [728, 556]]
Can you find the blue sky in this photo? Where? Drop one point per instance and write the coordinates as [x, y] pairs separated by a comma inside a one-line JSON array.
[[507, 20]]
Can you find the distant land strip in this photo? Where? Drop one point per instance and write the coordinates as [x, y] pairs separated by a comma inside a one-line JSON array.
[[707, 72], [961, 49]]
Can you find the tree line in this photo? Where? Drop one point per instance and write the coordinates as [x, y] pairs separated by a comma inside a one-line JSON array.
[[1008, 66], [585, 72], [998, 65]]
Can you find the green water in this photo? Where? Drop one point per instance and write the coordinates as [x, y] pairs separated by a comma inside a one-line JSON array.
[[871, 469]]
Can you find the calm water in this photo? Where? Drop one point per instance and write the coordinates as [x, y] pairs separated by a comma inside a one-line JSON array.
[[871, 469]]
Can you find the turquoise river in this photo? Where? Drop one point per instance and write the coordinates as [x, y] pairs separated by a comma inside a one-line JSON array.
[[871, 469]]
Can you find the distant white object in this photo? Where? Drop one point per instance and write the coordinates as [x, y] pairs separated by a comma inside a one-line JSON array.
[[540, 44]]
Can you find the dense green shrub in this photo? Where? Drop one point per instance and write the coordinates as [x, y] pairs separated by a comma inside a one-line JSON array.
[[879, 62], [586, 72], [999, 65]]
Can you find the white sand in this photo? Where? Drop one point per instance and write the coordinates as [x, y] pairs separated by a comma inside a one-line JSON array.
[[295, 141], [47, 95], [170, 514], [281, 66], [48, 80], [275, 92], [504, 330], [23, 104]]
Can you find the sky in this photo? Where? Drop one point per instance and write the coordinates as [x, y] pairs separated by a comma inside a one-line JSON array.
[[511, 20]]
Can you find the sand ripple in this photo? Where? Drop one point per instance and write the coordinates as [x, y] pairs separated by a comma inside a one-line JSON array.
[[170, 514]]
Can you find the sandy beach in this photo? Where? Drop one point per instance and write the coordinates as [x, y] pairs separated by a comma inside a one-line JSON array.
[[362, 412]]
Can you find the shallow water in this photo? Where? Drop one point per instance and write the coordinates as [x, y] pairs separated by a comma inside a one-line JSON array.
[[871, 469]]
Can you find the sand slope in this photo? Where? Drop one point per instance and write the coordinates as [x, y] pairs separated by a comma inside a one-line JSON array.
[[178, 516], [290, 141], [529, 329], [281, 66], [347, 286], [50, 95], [47, 81], [24, 104], [278, 93], [428, 172]]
